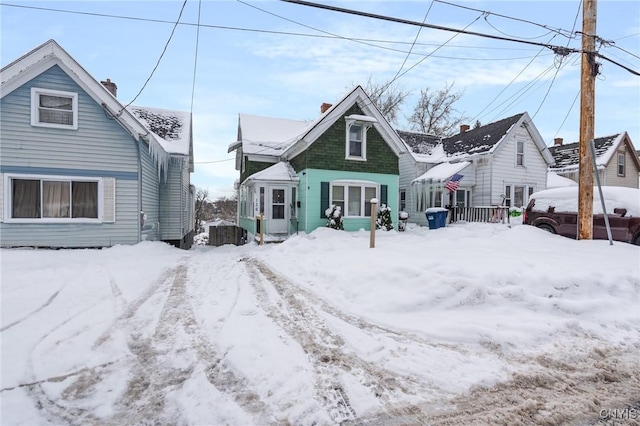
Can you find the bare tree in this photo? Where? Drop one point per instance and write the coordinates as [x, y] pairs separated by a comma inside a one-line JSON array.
[[200, 207], [434, 113], [225, 208], [388, 97]]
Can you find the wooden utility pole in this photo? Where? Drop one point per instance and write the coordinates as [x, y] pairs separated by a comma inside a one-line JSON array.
[[589, 71]]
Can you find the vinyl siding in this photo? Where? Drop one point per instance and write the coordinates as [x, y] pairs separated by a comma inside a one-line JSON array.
[[150, 194], [630, 178], [506, 172], [174, 201], [100, 147], [409, 170]]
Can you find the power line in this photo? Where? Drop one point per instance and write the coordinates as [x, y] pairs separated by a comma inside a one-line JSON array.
[[195, 59], [557, 49], [256, 30], [412, 44], [487, 13], [159, 59], [575, 22]]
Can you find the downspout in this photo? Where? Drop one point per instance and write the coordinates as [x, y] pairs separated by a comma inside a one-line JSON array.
[[491, 180], [183, 201], [139, 191]]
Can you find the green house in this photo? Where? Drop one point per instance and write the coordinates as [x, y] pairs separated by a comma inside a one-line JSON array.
[[292, 171]]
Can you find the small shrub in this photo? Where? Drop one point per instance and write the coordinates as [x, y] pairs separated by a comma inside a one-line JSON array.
[[334, 217], [383, 220]]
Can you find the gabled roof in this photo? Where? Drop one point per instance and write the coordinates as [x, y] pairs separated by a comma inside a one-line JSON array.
[[482, 140], [336, 112], [49, 54], [167, 132], [285, 138], [567, 156]]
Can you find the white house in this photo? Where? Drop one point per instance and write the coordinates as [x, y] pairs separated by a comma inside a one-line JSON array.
[[500, 163]]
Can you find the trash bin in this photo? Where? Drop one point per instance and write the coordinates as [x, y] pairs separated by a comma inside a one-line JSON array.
[[437, 217]]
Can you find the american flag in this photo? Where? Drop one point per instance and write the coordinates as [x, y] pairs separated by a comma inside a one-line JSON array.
[[454, 182]]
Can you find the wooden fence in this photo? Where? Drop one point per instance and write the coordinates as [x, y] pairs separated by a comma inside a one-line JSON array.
[[491, 214], [221, 235]]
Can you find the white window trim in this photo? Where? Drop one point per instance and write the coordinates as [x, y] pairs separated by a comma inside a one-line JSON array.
[[621, 155], [524, 162], [366, 123], [8, 199], [35, 116], [346, 184]]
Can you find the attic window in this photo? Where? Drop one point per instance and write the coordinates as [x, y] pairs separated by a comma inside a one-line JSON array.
[[53, 108], [356, 137], [621, 158]]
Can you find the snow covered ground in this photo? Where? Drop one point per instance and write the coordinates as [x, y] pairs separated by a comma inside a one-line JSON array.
[[468, 324]]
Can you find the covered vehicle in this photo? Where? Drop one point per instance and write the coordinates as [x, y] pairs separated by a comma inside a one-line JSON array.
[[556, 210]]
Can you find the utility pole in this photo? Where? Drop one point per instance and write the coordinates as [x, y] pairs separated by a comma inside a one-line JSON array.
[[589, 71]]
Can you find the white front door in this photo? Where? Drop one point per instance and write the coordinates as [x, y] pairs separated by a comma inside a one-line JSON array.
[[278, 215]]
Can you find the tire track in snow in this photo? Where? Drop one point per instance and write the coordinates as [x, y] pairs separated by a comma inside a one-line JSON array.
[[296, 314], [32, 313], [155, 372]]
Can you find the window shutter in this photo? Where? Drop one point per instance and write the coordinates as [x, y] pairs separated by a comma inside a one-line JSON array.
[[324, 198], [1, 197], [383, 194], [108, 199]]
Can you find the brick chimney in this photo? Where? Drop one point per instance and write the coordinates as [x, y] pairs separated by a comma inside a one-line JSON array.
[[464, 128], [324, 107], [111, 86], [557, 142]]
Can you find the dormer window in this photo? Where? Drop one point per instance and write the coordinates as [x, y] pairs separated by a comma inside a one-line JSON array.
[[54, 108], [356, 138]]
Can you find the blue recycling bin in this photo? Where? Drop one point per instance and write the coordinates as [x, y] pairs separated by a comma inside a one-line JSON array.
[[437, 217]]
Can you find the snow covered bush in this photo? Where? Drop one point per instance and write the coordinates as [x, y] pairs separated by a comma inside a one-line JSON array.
[[384, 218], [334, 216]]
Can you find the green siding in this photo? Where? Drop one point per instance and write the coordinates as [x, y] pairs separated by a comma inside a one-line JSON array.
[[253, 167], [328, 152], [313, 197]]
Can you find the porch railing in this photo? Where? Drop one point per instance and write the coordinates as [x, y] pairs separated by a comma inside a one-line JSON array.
[[491, 214]]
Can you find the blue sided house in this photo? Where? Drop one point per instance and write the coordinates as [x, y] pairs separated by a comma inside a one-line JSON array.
[[292, 172], [78, 169]]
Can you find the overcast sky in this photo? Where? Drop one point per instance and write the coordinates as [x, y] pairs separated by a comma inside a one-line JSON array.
[[284, 60]]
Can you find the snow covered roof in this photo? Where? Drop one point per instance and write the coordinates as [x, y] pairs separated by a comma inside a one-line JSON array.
[[172, 129], [286, 138], [441, 172], [554, 180], [567, 156], [482, 140], [281, 171], [268, 135]]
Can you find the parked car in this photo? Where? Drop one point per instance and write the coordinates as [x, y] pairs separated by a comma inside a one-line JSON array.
[[556, 210]]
